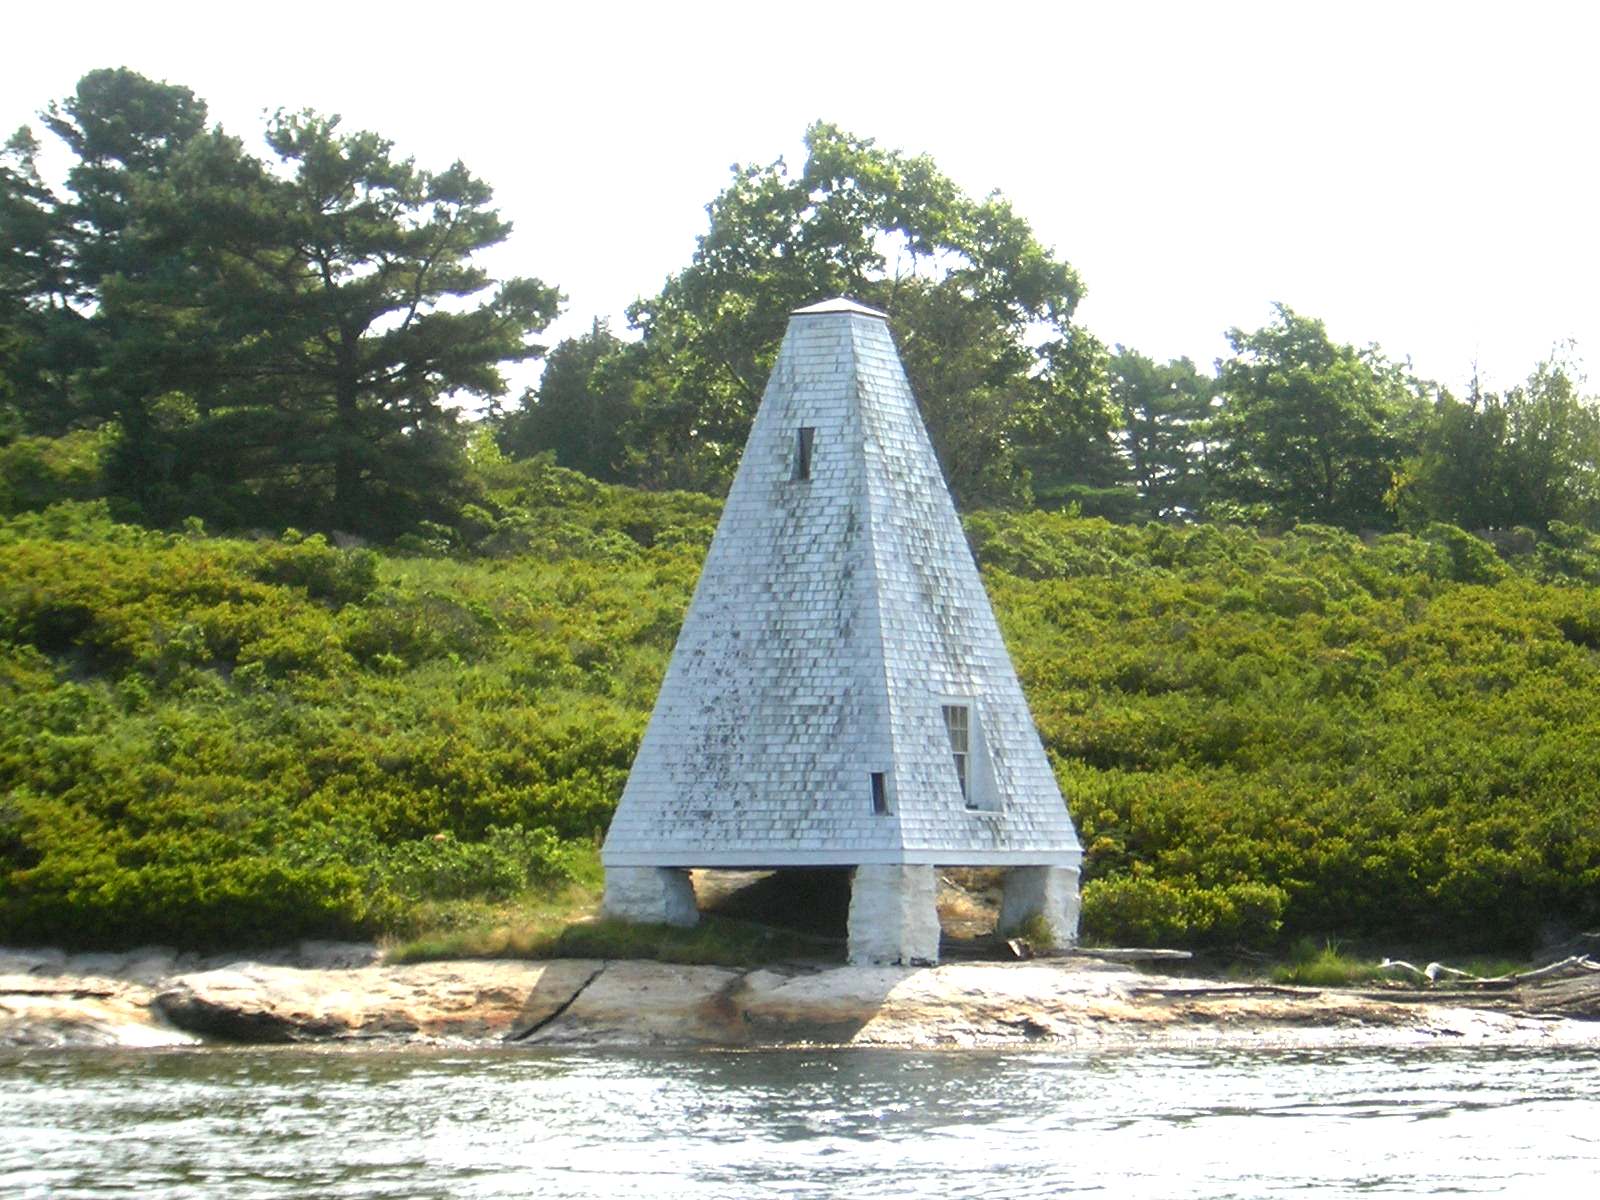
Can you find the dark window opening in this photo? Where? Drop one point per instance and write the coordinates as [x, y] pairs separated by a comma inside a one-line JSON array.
[[880, 794], [802, 451], [958, 724]]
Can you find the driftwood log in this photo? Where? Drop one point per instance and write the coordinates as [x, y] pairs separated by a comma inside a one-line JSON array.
[[1575, 964]]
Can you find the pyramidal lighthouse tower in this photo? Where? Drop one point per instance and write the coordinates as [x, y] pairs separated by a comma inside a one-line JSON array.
[[840, 693]]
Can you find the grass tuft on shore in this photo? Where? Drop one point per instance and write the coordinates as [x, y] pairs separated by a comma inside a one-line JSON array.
[[525, 927], [1325, 965]]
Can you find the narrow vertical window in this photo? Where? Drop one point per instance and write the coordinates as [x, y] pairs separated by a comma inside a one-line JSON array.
[[958, 724], [880, 794], [802, 451]]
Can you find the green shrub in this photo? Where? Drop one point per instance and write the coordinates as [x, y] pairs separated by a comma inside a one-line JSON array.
[[1470, 559], [36, 472], [219, 904], [325, 573], [1384, 739], [1144, 911], [503, 864]]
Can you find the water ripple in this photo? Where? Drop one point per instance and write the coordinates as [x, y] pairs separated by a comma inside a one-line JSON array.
[[261, 1125]]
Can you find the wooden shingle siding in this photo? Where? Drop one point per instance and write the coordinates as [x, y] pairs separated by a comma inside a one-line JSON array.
[[834, 617]]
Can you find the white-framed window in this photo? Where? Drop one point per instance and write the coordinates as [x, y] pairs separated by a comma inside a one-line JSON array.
[[958, 725], [962, 718]]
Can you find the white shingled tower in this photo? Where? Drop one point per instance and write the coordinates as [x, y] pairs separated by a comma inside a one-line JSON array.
[[839, 693]]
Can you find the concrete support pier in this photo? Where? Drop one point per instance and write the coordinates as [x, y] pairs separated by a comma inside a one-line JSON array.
[[650, 895], [894, 915], [1050, 893]]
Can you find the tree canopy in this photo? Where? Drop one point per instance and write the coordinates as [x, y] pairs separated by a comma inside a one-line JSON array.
[[1164, 409], [983, 312], [587, 397], [269, 336], [1291, 730], [1527, 456], [281, 334], [1312, 429]]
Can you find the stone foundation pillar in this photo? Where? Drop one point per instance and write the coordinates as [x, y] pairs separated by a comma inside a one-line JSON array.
[[1050, 893], [894, 915], [650, 896]]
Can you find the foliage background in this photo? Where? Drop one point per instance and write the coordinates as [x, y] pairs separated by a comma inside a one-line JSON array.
[[1287, 693], [213, 740]]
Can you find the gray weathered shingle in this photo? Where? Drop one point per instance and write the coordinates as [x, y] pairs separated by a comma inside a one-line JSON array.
[[833, 618]]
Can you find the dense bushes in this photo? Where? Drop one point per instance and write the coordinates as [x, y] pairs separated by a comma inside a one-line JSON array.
[[1143, 910], [223, 740], [1396, 738], [36, 472], [210, 740]]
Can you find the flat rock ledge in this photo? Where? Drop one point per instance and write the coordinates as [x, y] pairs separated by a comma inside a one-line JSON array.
[[1069, 1002]]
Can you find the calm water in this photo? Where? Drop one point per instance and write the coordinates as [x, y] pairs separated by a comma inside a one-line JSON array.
[[238, 1123]]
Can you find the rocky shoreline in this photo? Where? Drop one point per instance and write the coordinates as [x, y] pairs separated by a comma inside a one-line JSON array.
[[328, 994]]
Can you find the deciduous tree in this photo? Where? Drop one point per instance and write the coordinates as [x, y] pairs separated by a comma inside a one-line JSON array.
[[1527, 456], [586, 398], [983, 310], [1310, 429]]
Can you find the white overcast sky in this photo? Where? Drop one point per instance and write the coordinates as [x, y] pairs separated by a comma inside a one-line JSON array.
[[1418, 175]]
